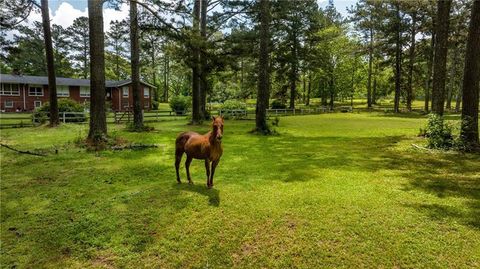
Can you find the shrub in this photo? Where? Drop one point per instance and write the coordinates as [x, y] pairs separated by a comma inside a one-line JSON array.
[[233, 105], [439, 134], [64, 106], [278, 104], [155, 105], [180, 104]]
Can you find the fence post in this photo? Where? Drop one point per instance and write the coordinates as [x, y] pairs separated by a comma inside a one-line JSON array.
[[63, 113]]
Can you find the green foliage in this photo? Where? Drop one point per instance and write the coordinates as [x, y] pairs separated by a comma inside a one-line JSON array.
[[278, 104], [180, 104], [64, 105], [155, 105], [233, 105], [439, 133]]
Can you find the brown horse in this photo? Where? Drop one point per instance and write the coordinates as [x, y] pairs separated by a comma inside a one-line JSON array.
[[206, 147]]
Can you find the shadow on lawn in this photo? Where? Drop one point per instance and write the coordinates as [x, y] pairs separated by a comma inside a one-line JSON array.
[[299, 159], [212, 194]]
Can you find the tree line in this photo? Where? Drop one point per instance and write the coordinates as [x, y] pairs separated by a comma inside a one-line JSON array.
[[287, 51]]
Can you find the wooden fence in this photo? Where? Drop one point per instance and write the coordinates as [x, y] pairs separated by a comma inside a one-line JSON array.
[[18, 120]]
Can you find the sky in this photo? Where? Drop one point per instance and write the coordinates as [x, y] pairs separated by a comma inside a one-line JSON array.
[[64, 12]]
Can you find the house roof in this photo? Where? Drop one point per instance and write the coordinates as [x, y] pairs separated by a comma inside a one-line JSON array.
[[21, 79]]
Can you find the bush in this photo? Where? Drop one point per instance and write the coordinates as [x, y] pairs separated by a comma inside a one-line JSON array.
[[278, 104], [64, 105], [180, 104], [155, 105], [439, 134], [233, 105]]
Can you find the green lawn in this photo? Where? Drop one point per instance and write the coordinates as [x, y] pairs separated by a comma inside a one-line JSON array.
[[331, 190]]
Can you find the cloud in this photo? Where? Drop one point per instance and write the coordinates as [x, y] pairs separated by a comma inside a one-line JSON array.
[[66, 14]]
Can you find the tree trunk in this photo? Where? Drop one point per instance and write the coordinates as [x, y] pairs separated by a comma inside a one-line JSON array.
[[398, 59], [135, 66], [165, 78], [374, 92], [471, 78], [309, 88], [52, 84], [203, 59], [458, 99], [452, 80], [154, 72], [441, 47], [411, 61], [196, 94], [98, 119], [429, 73], [293, 72], [263, 93], [332, 91], [370, 62]]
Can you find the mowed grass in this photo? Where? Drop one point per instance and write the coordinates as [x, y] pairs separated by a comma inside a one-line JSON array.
[[331, 190]]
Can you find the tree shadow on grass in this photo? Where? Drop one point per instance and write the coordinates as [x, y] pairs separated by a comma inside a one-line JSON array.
[[212, 194], [293, 159]]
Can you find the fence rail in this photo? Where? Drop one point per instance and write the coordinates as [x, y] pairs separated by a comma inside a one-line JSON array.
[[17, 120]]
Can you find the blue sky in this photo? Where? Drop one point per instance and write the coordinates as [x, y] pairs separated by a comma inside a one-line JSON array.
[[64, 12], [81, 5]]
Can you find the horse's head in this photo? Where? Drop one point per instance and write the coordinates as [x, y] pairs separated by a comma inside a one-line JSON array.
[[217, 124]]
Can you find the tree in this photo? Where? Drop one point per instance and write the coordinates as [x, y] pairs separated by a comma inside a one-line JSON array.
[[196, 95], [471, 78], [98, 119], [440, 58], [135, 65], [52, 84], [79, 45], [117, 40], [263, 93]]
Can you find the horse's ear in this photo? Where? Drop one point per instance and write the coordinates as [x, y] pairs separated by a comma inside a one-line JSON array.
[[213, 118]]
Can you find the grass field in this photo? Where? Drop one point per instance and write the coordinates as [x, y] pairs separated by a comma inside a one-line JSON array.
[[331, 190]]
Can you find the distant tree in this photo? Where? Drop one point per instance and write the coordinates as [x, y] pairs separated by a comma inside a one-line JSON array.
[[98, 119], [440, 60], [117, 41], [135, 65], [52, 84], [79, 44], [471, 79]]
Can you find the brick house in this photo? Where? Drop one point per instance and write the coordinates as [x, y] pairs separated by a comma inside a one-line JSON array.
[[25, 93]]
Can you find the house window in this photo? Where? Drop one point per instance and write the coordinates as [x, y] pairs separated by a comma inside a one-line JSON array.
[[35, 91], [84, 91], [10, 89], [38, 104], [146, 104], [125, 91], [8, 104], [146, 92], [63, 91]]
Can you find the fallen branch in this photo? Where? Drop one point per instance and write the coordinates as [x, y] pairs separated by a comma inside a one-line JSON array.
[[422, 148], [23, 151], [134, 146]]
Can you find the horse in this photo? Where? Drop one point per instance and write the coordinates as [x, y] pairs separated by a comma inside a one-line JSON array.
[[206, 147]]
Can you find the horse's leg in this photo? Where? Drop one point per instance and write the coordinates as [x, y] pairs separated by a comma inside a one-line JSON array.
[[207, 167], [187, 166], [214, 165], [178, 159]]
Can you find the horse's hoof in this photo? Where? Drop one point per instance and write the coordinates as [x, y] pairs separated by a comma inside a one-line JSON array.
[[190, 182]]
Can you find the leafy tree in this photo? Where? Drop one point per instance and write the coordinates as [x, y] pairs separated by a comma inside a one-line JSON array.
[[118, 42]]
